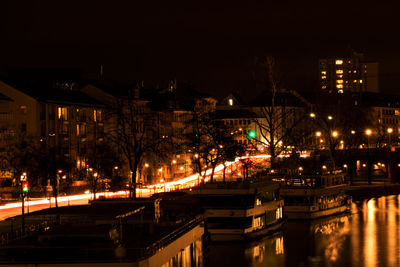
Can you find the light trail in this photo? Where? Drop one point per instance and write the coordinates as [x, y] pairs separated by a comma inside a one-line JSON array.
[[146, 191]]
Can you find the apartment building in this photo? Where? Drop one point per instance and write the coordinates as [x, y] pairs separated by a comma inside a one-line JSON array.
[[351, 73], [62, 116]]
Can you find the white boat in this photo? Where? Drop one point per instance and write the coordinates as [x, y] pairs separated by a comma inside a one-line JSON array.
[[314, 196], [240, 210]]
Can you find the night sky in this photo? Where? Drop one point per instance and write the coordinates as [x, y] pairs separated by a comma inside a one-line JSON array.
[[211, 48]]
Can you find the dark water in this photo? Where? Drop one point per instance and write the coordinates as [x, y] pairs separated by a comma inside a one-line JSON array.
[[368, 236]]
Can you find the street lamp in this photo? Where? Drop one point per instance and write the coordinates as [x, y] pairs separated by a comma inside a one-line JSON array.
[[335, 134], [317, 135], [368, 132], [390, 130]]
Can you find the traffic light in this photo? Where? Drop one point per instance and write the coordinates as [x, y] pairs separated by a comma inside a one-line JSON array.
[[252, 134], [25, 187]]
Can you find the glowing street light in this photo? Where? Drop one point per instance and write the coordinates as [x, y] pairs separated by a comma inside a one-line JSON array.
[[353, 132], [330, 117], [318, 134], [312, 115], [390, 131], [368, 132], [335, 134]]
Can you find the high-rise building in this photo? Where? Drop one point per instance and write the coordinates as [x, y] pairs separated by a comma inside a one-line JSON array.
[[348, 74]]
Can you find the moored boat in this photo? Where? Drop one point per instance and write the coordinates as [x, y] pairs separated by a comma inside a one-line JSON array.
[[314, 195], [240, 210]]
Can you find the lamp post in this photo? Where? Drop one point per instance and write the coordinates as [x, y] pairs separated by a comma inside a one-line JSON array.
[[317, 135], [390, 131], [368, 132]]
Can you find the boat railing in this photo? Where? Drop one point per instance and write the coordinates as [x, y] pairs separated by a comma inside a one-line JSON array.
[[312, 181]]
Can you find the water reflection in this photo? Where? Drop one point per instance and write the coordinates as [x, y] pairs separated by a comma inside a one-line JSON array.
[[368, 236], [268, 251]]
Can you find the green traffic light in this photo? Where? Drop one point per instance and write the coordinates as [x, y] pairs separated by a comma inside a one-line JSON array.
[[25, 188], [252, 134]]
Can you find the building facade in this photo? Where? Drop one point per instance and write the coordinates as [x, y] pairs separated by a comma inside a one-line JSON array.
[[348, 74]]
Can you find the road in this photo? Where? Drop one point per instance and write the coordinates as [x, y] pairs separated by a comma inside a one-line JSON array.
[[14, 209]]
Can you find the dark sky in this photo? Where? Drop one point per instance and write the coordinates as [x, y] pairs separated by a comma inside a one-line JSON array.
[[212, 48]]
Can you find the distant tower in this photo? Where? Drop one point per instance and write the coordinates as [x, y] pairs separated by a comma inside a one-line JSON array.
[[348, 74]]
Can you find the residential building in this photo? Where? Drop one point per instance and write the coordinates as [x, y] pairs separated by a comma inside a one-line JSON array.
[[62, 116], [350, 73]]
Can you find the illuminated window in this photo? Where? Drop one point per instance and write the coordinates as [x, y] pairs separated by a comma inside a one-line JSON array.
[[94, 115], [62, 113], [323, 86], [349, 61], [340, 76], [339, 86], [23, 109], [323, 77], [339, 71], [77, 130], [339, 81], [339, 62], [355, 81], [340, 91], [354, 71], [323, 72], [230, 102], [361, 81]]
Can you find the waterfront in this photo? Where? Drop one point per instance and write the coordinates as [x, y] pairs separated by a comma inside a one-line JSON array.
[[367, 236]]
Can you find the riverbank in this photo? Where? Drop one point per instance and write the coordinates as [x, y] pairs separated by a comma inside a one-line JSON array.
[[361, 189]]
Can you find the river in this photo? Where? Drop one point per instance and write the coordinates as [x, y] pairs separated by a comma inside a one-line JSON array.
[[367, 236]]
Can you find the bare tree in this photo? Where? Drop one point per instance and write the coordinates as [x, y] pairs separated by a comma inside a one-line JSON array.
[[280, 123], [50, 164], [102, 158], [17, 155], [212, 143], [133, 134]]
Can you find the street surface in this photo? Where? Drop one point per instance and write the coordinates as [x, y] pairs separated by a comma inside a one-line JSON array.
[[14, 209]]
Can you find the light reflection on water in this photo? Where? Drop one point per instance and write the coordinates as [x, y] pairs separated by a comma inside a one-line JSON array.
[[368, 236]]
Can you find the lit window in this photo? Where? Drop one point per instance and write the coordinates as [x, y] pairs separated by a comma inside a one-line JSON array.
[[361, 81], [349, 61], [339, 81], [323, 77], [340, 76], [94, 115], [323, 72], [323, 86], [23, 109], [230, 101], [339, 62], [340, 91], [354, 71], [355, 81], [339, 71], [339, 86], [77, 130], [62, 113]]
